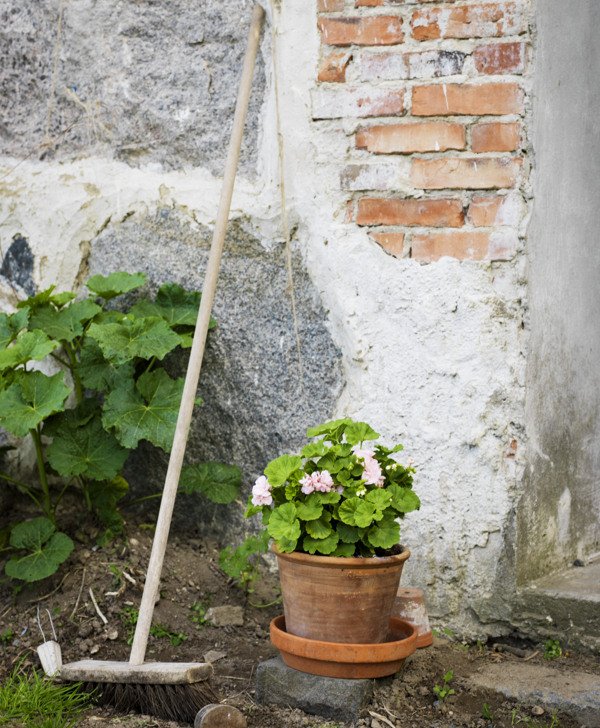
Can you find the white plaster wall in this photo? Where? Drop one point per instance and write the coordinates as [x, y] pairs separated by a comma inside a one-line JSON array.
[[432, 353]]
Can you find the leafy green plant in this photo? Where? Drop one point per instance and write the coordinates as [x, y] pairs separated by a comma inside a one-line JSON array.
[[517, 718], [444, 690], [335, 498], [7, 636], [552, 650], [240, 562], [33, 701], [175, 638], [198, 612], [486, 712], [129, 617], [87, 383]]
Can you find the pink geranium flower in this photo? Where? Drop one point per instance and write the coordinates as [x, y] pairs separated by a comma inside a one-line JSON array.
[[261, 492], [372, 474], [318, 481]]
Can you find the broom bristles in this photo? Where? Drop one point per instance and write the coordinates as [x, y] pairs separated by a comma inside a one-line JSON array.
[[178, 702]]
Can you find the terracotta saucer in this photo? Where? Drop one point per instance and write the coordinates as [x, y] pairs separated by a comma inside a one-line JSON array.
[[343, 659]]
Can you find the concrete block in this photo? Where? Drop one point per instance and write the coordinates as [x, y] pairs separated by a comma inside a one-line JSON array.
[[575, 693], [278, 684]]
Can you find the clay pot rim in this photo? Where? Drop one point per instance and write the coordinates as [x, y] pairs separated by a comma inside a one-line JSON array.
[[343, 562], [346, 652]]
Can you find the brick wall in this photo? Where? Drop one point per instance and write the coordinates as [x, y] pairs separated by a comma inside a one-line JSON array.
[[431, 98]]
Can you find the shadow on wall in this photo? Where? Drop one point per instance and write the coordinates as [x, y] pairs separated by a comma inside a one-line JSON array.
[[258, 397]]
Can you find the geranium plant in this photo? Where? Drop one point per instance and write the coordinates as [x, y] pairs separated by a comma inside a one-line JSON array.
[[342, 495]]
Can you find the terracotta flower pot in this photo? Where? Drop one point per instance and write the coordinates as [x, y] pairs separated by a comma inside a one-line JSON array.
[[339, 599], [354, 661]]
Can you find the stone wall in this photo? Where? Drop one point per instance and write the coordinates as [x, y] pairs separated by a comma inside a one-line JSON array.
[[398, 135]]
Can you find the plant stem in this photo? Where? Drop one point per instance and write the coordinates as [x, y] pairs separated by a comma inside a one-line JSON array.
[[74, 374], [21, 486], [151, 363], [60, 359], [39, 453], [143, 498]]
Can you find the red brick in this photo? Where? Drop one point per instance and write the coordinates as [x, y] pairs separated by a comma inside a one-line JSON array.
[[422, 213], [495, 210], [336, 103], [468, 21], [465, 173], [381, 66], [392, 243], [370, 30], [428, 247], [368, 3], [464, 245], [424, 136], [330, 6], [496, 137], [447, 99], [333, 68], [435, 63], [500, 58]]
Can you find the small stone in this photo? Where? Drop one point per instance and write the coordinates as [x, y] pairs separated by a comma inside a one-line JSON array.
[[214, 655], [133, 542], [423, 691], [225, 616], [375, 723], [112, 634], [85, 630], [537, 710], [94, 649]]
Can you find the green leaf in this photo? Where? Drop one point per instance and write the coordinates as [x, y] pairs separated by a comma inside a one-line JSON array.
[[287, 545], [46, 549], [319, 528], [314, 449], [39, 299], [382, 450], [115, 284], [380, 498], [344, 549], [404, 500], [84, 449], [28, 346], [104, 496], [357, 512], [11, 324], [174, 304], [64, 324], [358, 432], [334, 427], [98, 373], [326, 498], [347, 534], [321, 545], [219, 482], [147, 411], [385, 534], [280, 469], [310, 509], [284, 524], [131, 338], [31, 398]]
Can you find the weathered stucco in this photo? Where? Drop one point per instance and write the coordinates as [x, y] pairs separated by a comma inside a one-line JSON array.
[[559, 514], [432, 355]]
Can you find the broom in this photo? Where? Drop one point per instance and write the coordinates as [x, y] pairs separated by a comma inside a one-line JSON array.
[[175, 691]]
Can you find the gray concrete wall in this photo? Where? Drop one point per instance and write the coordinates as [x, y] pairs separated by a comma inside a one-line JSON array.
[[559, 514]]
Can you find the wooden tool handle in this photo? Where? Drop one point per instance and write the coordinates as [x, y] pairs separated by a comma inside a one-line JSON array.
[[140, 639]]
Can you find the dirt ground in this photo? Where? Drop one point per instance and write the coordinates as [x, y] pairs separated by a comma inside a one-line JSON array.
[[192, 581]]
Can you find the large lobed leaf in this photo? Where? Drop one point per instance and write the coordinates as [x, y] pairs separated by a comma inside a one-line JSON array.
[[115, 284], [46, 550], [219, 482], [134, 337], [84, 448], [100, 374], [64, 324], [174, 304], [28, 346], [31, 398], [145, 411]]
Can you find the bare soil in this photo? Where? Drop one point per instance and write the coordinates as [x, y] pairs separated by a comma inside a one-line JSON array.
[[192, 581]]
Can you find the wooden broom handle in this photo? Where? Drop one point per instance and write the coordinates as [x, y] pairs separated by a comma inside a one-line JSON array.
[[159, 545]]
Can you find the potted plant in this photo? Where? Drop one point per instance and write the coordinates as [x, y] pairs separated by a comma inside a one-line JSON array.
[[332, 512]]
